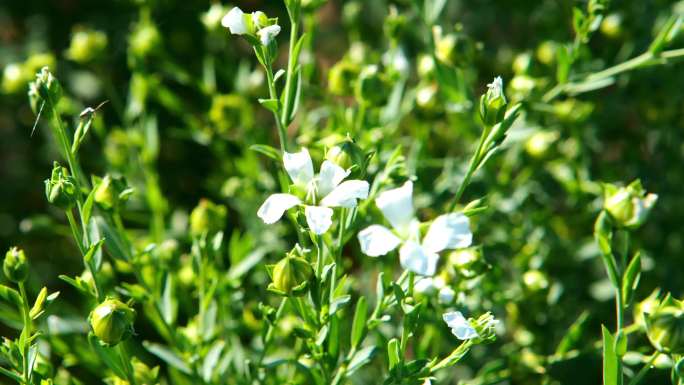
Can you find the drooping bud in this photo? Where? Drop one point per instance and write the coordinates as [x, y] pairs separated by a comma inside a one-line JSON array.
[[628, 206], [60, 189], [291, 274], [346, 154], [111, 191], [15, 266], [665, 326], [112, 321], [207, 217], [493, 103]]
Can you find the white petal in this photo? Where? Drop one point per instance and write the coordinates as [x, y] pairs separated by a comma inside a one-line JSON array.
[[459, 325], [275, 206], [376, 240], [346, 194], [318, 218], [449, 231], [299, 167], [397, 205], [415, 258], [446, 295], [268, 33], [235, 21], [425, 285], [329, 177]]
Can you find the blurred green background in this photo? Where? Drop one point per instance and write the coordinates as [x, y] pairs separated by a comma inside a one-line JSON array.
[[543, 195]]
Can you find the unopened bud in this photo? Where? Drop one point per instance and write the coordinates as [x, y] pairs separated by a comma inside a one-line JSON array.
[[493, 103], [112, 321], [111, 191], [372, 88], [665, 326], [86, 45], [628, 206], [15, 266], [291, 275], [207, 217], [60, 189]]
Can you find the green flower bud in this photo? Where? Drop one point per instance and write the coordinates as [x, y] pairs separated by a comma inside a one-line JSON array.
[[647, 306], [15, 266], [372, 87], [539, 143], [291, 275], [395, 24], [111, 191], [493, 103], [47, 86], [143, 374], [535, 280], [628, 206], [468, 263], [346, 154], [522, 63], [342, 77], [14, 78], [611, 26], [144, 40], [60, 189], [665, 326], [86, 45], [546, 52], [112, 321], [208, 218]]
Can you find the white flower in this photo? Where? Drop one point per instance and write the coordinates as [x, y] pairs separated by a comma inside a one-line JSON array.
[[448, 231], [446, 295], [460, 327], [329, 184], [267, 34], [496, 87], [235, 21]]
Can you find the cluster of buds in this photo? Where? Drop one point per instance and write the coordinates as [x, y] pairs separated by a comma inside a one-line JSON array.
[[628, 206], [291, 274], [665, 325], [112, 321], [60, 189], [15, 266], [256, 27], [207, 218]]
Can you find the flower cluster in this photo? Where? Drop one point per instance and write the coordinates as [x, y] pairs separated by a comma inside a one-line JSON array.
[[252, 24]]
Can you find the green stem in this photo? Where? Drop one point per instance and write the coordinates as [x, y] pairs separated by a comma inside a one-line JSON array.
[[644, 60], [26, 332], [619, 307], [75, 231], [289, 80], [647, 366], [126, 361], [472, 167], [273, 94]]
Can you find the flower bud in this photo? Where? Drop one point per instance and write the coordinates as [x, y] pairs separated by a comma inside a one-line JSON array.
[[15, 266], [86, 45], [647, 306], [493, 103], [145, 40], [112, 321], [14, 78], [143, 374], [47, 86], [665, 326], [539, 143], [291, 275], [207, 217], [346, 154], [341, 78], [110, 192], [468, 263], [611, 26], [372, 87], [628, 206], [60, 189]]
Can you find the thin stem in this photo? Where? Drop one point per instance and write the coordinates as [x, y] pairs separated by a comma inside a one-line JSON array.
[[647, 366], [472, 167], [26, 332], [273, 94], [619, 307], [126, 361], [75, 231], [289, 80]]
